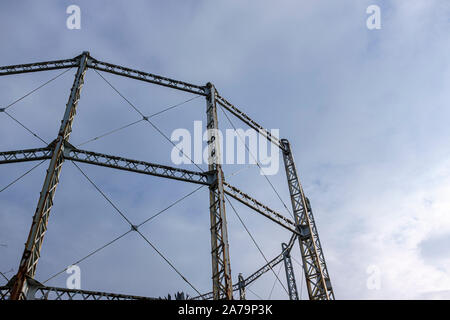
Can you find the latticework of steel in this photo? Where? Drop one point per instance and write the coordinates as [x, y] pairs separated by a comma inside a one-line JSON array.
[[303, 228]]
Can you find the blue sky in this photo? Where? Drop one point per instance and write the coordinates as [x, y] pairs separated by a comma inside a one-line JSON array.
[[366, 112]]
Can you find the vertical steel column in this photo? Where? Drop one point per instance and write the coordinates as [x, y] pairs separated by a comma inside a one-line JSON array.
[[316, 273], [31, 254], [241, 284], [290, 276], [221, 271]]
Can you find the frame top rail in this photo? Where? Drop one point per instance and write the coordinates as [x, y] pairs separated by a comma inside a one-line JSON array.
[[145, 76]]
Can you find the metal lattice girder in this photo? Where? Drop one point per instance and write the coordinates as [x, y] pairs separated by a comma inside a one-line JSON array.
[[145, 76], [246, 119], [39, 66], [32, 251], [54, 293], [316, 273], [290, 276], [221, 270], [115, 162], [259, 207], [25, 155], [74, 294], [104, 160], [258, 273]]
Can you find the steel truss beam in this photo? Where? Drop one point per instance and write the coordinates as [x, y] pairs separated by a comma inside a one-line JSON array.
[[221, 270], [316, 273], [32, 251], [259, 207], [144, 76], [25, 155], [104, 160], [290, 276], [39, 66], [246, 119], [143, 167], [41, 292]]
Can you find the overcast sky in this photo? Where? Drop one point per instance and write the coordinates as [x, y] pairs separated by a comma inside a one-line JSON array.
[[366, 112]]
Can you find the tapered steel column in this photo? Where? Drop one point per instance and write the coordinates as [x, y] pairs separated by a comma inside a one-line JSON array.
[[316, 273], [221, 271], [32, 252], [290, 276]]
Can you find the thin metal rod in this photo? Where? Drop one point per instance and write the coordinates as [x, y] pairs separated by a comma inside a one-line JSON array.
[[25, 127], [21, 176], [135, 228], [35, 89]]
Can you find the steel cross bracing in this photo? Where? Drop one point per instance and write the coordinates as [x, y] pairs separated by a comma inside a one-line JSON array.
[[23, 285]]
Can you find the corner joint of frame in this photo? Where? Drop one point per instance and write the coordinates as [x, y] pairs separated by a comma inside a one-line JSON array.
[[211, 177]]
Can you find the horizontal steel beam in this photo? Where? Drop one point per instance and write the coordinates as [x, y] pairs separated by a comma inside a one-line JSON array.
[[107, 67], [54, 293], [246, 119], [272, 263], [143, 167], [39, 66], [25, 155], [259, 207], [104, 160], [144, 76]]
